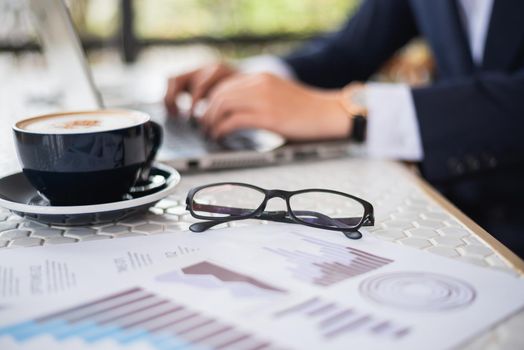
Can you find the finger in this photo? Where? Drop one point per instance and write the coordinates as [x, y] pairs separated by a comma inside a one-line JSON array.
[[239, 82], [224, 109], [169, 98], [231, 96], [210, 114], [236, 121], [240, 88], [205, 81], [175, 85], [226, 90]]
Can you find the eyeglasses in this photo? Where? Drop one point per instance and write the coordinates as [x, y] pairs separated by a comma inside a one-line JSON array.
[[229, 201]]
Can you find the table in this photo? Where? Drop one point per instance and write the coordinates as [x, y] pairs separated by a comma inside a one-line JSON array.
[[408, 212]]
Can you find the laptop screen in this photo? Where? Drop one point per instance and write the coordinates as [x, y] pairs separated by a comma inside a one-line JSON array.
[[64, 54]]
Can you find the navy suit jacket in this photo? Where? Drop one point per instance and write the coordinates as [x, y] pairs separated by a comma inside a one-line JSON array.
[[471, 120]]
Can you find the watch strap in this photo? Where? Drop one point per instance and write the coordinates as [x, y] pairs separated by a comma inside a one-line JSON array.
[[358, 131]]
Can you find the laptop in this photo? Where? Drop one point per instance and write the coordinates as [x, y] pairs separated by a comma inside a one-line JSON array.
[[184, 146]]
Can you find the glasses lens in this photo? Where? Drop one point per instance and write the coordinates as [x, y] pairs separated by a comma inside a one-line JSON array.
[[226, 201], [324, 209]]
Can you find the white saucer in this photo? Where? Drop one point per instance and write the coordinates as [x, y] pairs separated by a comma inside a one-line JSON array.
[[17, 195]]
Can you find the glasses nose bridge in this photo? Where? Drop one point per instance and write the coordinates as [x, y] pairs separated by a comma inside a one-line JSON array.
[[271, 194], [277, 194]]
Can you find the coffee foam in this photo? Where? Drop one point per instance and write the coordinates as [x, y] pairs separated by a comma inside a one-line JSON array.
[[82, 122]]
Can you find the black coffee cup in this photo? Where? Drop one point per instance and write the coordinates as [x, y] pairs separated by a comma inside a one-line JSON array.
[[88, 157]]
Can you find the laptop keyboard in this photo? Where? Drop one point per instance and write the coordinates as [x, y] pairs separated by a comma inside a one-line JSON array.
[[184, 138]]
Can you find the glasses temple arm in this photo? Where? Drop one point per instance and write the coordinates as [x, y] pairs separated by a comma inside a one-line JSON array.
[[338, 222], [280, 216], [368, 221], [205, 225], [219, 209]]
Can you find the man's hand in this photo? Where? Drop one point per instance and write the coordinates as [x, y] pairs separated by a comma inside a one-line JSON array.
[[268, 102], [198, 83]]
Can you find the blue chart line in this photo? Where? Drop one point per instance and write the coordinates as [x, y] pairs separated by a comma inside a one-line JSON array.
[[207, 275], [136, 315], [333, 320], [334, 263]]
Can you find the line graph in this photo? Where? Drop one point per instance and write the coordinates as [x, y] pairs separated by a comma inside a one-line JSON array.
[[332, 264], [333, 320], [133, 316], [207, 275]]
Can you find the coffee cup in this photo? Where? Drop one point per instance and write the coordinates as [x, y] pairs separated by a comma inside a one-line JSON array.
[[87, 157]]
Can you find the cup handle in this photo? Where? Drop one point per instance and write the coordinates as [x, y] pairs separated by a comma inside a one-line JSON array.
[[154, 136]]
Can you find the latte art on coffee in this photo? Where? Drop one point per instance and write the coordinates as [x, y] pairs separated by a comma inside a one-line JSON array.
[[82, 122]]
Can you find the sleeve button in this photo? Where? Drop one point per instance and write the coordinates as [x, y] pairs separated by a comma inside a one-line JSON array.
[[472, 163], [456, 166]]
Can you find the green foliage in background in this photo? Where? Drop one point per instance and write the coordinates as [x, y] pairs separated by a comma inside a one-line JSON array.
[[172, 19], [186, 18]]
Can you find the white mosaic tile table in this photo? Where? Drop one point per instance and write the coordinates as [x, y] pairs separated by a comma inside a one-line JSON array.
[[405, 214]]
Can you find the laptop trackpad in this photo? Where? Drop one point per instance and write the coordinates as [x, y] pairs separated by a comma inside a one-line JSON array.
[[253, 140]]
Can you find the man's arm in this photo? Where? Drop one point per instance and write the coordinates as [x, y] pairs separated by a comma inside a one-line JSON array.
[[471, 125], [355, 52]]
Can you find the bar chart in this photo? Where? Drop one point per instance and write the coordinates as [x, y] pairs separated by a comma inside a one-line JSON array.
[[137, 316], [332, 320], [208, 275], [332, 263]]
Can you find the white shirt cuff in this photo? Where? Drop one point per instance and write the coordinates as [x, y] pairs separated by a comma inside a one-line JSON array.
[[266, 64], [392, 128]]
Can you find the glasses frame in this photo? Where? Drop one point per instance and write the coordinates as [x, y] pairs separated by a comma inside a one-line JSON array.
[[367, 219]]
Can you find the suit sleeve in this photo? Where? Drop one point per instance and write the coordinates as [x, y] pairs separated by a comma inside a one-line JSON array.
[[359, 48], [471, 125]]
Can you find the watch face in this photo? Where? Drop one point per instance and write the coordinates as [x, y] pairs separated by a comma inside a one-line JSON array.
[[354, 99], [359, 97]]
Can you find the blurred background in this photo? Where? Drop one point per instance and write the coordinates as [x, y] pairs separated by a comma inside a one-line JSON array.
[[193, 32], [232, 26]]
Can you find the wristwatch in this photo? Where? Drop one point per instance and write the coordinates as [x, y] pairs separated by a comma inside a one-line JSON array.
[[353, 100]]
